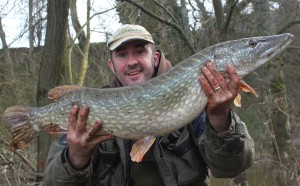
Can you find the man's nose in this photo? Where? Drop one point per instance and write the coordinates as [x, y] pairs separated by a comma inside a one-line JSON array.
[[132, 60]]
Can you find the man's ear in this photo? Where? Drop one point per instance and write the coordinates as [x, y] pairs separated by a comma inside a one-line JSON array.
[[111, 66], [156, 58]]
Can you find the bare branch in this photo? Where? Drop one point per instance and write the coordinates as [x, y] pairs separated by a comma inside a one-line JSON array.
[[225, 25], [288, 25], [168, 12], [202, 9], [167, 22], [243, 4], [219, 12], [294, 47], [73, 42], [76, 24]]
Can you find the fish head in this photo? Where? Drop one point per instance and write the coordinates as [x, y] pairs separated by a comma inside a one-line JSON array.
[[247, 54]]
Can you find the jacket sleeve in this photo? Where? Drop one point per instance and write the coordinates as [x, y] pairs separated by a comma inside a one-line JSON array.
[[59, 171], [226, 154]]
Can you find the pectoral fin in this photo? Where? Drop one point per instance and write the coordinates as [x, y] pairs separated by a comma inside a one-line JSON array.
[[246, 88], [57, 92], [140, 148]]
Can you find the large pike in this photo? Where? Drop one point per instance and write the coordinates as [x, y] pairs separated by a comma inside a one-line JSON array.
[[154, 108]]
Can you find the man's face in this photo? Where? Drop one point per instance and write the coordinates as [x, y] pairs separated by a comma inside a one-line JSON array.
[[133, 63]]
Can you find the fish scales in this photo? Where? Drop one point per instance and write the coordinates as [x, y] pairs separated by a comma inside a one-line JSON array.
[[128, 107], [158, 106]]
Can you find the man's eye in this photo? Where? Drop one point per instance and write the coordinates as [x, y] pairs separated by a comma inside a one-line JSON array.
[[121, 55], [140, 51]]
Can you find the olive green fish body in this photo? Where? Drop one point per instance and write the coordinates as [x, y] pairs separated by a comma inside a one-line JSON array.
[[154, 108]]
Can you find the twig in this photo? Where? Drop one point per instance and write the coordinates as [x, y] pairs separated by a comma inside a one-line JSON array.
[[8, 182], [288, 25], [294, 47], [168, 12], [8, 163], [25, 160], [229, 15]]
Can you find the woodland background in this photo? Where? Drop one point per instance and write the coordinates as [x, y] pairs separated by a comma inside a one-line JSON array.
[[180, 28]]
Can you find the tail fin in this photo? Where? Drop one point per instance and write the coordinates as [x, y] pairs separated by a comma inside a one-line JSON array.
[[22, 130]]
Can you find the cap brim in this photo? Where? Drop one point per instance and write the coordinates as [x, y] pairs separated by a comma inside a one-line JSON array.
[[119, 42]]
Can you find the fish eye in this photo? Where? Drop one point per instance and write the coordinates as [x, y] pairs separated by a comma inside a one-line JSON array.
[[252, 43]]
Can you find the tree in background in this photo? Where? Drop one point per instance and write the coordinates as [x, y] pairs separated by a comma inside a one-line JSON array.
[[51, 65]]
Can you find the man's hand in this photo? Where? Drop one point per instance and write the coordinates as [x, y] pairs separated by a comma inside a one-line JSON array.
[[220, 95], [82, 143]]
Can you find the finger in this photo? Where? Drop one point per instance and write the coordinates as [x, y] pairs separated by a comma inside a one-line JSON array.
[[73, 117], [94, 130], [82, 118], [100, 139], [218, 76], [235, 80], [206, 87], [210, 77]]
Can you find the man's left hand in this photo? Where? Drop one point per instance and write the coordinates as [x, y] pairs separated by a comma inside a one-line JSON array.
[[220, 93]]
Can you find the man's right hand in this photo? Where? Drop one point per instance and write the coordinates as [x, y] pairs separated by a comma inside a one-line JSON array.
[[82, 143]]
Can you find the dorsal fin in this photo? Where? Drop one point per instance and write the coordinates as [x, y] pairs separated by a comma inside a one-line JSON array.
[[57, 92]]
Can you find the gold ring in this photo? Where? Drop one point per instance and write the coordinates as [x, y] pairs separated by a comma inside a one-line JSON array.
[[217, 88]]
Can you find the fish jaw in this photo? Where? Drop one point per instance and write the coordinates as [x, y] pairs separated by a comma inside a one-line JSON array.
[[264, 49], [247, 54]]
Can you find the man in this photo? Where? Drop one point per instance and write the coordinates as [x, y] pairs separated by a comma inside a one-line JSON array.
[[217, 139]]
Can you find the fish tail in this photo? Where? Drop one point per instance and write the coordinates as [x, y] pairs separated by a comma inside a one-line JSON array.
[[22, 130]]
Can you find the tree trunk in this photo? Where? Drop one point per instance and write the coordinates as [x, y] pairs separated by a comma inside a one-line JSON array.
[[31, 36], [76, 24], [85, 45], [7, 58], [51, 65], [223, 18]]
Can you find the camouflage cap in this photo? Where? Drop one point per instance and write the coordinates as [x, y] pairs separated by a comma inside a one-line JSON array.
[[126, 33]]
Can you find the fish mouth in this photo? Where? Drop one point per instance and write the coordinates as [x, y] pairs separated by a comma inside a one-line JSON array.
[[270, 50], [267, 48]]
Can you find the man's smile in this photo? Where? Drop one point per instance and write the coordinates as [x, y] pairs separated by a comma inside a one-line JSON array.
[[133, 73]]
